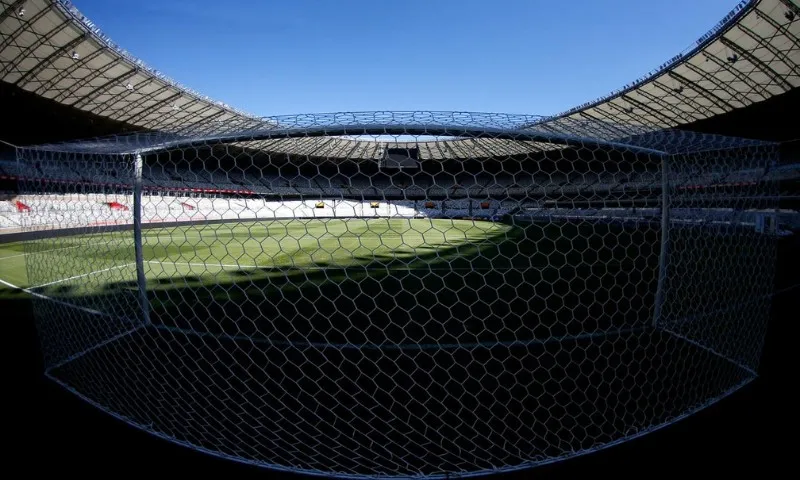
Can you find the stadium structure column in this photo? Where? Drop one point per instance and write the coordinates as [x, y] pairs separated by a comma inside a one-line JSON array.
[[137, 237], [663, 253]]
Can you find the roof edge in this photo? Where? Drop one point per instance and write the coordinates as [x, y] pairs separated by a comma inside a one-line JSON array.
[[727, 22]]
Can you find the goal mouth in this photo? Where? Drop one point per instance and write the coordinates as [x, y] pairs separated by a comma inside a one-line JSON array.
[[453, 294]]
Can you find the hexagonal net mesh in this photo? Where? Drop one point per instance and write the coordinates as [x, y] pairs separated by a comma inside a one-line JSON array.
[[401, 294]]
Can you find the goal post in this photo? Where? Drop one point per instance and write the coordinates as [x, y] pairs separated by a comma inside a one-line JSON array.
[[141, 276]]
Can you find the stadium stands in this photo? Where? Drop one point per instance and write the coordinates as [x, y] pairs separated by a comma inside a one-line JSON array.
[[270, 196], [57, 59]]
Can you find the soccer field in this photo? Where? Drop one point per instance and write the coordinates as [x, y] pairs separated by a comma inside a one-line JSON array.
[[212, 252], [410, 281], [267, 333]]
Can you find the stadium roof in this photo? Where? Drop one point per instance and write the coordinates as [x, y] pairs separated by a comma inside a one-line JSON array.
[[471, 136], [751, 55], [50, 49]]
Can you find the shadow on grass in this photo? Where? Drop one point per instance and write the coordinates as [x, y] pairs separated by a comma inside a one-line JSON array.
[[199, 374], [527, 282]]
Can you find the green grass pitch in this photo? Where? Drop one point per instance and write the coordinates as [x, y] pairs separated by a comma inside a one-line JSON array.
[[355, 280], [215, 252]]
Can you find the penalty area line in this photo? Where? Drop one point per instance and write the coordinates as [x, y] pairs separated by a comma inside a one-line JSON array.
[[82, 275], [59, 302], [43, 251], [354, 267], [188, 264], [52, 250], [423, 268]]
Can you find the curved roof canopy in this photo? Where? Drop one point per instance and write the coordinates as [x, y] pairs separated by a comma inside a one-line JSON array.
[[50, 49], [467, 136], [752, 55]]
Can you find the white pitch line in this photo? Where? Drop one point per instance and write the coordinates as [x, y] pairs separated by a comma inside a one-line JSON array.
[[52, 250], [45, 297], [308, 267], [222, 265], [14, 256], [43, 251], [82, 275]]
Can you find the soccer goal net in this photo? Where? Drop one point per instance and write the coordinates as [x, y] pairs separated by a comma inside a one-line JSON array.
[[400, 294]]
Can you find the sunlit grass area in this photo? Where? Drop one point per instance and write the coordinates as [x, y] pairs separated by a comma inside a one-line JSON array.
[[224, 253]]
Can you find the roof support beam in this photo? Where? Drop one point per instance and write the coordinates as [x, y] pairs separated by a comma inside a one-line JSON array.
[[625, 112], [330, 148], [561, 126], [442, 153], [101, 108], [656, 113], [526, 147], [82, 82], [477, 145], [683, 115], [549, 127], [298, 147], [87, 99], [774, 51], [339, 149], [709, 77], [25, 23], [791, 6], [33, 72], [604, 125], [190, 129], [760, 90], [208, 106], [327, 147], [257, 145], [11, 10], [725, 106], [144, 98], [684, 99], [272, 144], [352, 150], [757, 62], [168, 121], [144, 113], [451, 151], [777, 26], [25, 54], [546, 126], [606, 117], [69, 71], [316, 146], [496, 149]]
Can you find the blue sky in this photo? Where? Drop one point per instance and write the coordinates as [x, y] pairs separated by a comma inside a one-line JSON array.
[[273, 57]]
